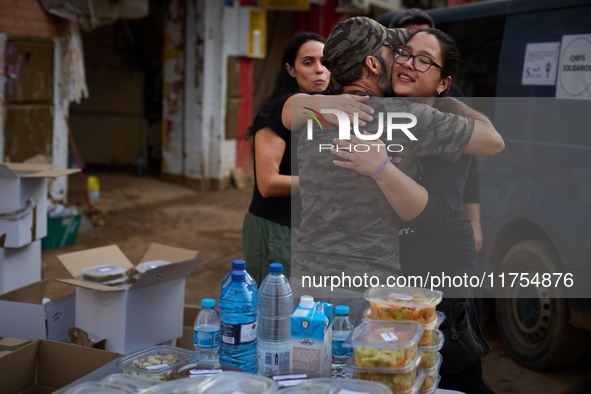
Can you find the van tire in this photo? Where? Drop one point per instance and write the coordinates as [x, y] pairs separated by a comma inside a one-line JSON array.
[[537, 330]]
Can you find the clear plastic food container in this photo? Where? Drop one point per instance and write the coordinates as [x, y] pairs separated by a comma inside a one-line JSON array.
[[230, 382], [98, 388], [353, 385], [430, 352], [148, 265], [433, 386], [403, 303], [154, 362], [407, 379], [132, 382], [103, 273], [198, 369], [179, 386], [293, 378], [432, 373], [384, 343]]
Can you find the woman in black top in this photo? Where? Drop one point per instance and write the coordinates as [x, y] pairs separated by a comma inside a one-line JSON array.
[[266, 232]]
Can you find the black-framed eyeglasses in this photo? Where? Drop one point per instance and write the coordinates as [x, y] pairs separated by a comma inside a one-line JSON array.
[[421, 63]]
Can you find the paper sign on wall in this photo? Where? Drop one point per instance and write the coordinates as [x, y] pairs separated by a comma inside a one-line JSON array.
[[574, 67], [539, 65]]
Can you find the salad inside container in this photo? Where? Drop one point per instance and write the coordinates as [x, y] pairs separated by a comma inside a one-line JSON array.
[[384, 343], [399, 380], [154, 362], [403, 303], [431, 351], [432, 373]]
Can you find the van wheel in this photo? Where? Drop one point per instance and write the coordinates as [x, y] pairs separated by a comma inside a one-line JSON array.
[[534, 321]]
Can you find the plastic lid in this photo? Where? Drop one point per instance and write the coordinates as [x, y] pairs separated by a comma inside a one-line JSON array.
[[307, 301], [207, 303], [275, 267], [238, 275], [405, 296], [350, 386], [341, 310], [392, 334], [238, 264]]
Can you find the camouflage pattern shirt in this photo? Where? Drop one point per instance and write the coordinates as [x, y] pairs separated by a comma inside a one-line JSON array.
[[347, 224]]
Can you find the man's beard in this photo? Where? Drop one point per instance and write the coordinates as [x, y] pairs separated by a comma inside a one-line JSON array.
[[385, 83], [385, 78]]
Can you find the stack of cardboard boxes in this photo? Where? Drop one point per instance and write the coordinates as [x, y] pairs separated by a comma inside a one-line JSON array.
[[23, 221]]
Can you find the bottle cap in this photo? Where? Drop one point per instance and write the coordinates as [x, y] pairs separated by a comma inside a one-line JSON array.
[[238, 275], [341, 310], [275, 267], [307, 301], [207, 303], [238, 264]]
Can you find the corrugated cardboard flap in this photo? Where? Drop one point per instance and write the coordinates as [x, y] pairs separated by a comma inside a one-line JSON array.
[[75, 262], [168, 253], [52, 173], [22, 168], [89, 285], [30, 294], [165, 273]]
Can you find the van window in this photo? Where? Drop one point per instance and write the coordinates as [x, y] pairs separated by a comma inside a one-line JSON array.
[[523, 29]]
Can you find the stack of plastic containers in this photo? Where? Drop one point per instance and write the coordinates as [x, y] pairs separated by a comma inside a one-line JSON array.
[[387, 352], [411, 304]]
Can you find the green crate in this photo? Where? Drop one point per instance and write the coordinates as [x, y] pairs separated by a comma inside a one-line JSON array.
[[61, 232]]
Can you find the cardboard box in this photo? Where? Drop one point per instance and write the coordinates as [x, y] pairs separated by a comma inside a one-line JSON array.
[[45, 366], [149, 312], [9, 345], [25, 317], [23, 202], [20, 266]]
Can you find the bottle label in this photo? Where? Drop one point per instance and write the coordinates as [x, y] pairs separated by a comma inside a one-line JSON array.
[[206, 339], [237, 334], [273, 362]]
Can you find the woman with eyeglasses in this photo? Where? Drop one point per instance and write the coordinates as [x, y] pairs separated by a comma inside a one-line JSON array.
[[437, 236]]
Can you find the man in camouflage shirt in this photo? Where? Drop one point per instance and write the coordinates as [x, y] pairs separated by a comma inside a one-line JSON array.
[[348, 228]]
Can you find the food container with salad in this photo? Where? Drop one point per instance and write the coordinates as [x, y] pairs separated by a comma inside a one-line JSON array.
[[403, 303], [407, 379], [432, 373], [430, 352], [154, 362], [197, 369], [433, 387], [384, 343]]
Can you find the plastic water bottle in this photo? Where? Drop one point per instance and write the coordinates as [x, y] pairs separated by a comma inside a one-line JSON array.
[[207, 332], [239, 265], [238, 313], [276, 305], [341, 328]]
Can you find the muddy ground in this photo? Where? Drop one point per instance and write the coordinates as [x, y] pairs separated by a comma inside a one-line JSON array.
[[138, 211]]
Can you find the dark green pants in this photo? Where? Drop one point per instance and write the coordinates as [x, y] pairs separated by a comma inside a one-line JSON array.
[[265, 242]]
